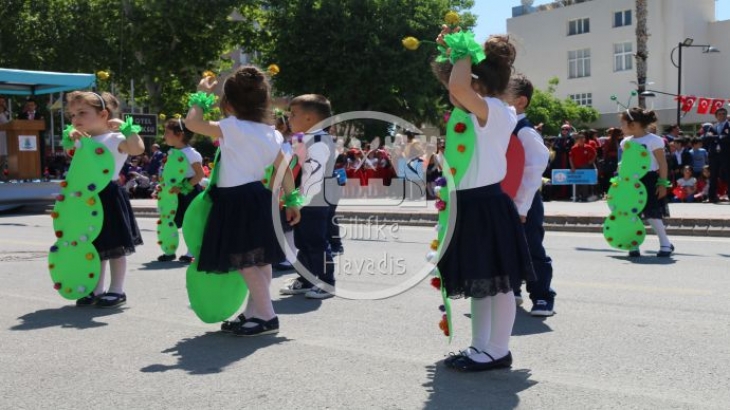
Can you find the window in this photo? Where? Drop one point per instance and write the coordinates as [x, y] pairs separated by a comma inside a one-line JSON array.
[[579, 26], [622, 18], [623, 56], [579, 63], [585, 99]]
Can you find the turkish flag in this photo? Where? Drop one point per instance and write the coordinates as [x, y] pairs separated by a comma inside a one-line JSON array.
[[703, 106], [717, 103], [688, 101]]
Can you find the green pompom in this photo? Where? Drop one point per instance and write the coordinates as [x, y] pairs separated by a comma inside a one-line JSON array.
[[129, 127], [203, 100], [462, 45]]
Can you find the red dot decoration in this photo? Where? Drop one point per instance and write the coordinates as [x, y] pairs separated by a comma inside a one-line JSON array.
[[99, 151], [453, 171], [60, 198], [461, 148], [106, 171], [57, 285], [63, 184], [59, 234], [54, 215], [460, 127]]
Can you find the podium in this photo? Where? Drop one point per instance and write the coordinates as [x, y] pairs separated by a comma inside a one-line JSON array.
[[23, 142]]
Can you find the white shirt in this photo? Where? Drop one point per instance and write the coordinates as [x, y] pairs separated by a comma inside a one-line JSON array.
[[489, 164], [247, 149], [317, 166], [193, 157], [537, 157], [112, 140], [652, 142]]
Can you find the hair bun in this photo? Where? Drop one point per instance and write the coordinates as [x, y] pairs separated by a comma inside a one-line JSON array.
[[500, 51]]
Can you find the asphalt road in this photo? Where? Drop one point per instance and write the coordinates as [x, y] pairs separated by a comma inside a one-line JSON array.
[[644, 334]]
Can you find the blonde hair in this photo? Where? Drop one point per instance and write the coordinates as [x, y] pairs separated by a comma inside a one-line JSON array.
[[100, 102]]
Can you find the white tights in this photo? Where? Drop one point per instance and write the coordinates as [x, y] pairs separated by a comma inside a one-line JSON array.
[[492, 319], [118, 269], [258, 279]]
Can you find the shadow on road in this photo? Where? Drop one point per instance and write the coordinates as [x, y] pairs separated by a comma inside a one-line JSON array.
[[212, 352], [65, 317], [156, 265], [496, 389], [526, 324], [646, 260], [294, 305]]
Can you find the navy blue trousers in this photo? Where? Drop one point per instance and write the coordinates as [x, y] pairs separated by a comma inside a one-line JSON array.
[[311, 237], [541, 262]]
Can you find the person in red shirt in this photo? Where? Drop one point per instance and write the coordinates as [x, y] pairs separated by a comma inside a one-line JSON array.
[[582, 156]]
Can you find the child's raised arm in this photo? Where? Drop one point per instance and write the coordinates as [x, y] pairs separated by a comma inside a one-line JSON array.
[[194, 120]]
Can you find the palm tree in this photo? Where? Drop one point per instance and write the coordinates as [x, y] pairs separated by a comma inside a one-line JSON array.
[[642, 52]]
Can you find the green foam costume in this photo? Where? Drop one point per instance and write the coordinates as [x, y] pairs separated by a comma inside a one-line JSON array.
[[78, 217], [173, 176], [626, 198], [213, 297]]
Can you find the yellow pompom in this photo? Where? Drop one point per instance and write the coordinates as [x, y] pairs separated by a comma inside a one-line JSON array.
[[177, 116], [273, 70], [434, 244], [411, 43], [162, 117], [102, 75], [452, 18], [208, 73]]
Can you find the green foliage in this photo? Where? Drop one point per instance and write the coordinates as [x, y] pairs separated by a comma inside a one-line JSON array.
[[548, 109], [351, 52]]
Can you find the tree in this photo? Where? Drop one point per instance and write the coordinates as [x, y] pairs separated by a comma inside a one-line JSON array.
[[548, 109], [351, 52], [642, 52]]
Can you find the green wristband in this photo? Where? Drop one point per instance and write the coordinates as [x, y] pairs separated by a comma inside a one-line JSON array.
[[664, 182], [129, 127], [66, 142], [201, 99], [293, 199]]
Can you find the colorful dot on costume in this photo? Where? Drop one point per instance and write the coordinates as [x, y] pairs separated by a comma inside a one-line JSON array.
[[74, 243], [434, 244], [91, 187], [94, 213], [51, 266], [81, 289], [54, 248], [77, 194], [180, 159], [57, 285], [460, 127], [54, 214], [99, 151], [89, 256], [440, 205], [60, 198], [63, 184], [436, 283], [106, 171], [91, 275], [59, 234], [453, 171], [461, 148], [91, 201]]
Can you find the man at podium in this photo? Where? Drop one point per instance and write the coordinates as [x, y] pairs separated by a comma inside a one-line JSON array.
[[30, 111]]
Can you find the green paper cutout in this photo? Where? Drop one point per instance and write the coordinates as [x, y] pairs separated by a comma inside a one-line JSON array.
[[626, 198], [203, 100], [173, 175], [213, 297], [78, 217], [129, 127], [459, 145], [462, 45]]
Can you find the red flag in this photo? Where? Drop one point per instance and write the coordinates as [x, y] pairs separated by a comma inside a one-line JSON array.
[[688, 101], [703, 106], [717, 103]]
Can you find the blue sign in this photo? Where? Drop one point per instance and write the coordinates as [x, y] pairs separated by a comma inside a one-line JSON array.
[[579, 177]]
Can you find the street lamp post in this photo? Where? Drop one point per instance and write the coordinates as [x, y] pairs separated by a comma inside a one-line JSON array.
[[688, 42]]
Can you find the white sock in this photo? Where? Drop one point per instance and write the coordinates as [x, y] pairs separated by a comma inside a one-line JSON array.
[[492, 318], [258, 280], [504, 311], [118, 269], [99, 289], [658, 226]]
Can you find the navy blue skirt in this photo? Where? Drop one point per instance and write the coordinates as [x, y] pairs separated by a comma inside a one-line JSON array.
[[240, 230], [488, 248], [183, 202], [119, 233], [655, 208]]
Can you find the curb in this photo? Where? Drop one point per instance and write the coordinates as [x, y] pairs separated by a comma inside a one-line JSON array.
[[559, 223]]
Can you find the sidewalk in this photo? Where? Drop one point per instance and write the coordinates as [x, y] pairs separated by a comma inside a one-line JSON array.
[[686, 219]]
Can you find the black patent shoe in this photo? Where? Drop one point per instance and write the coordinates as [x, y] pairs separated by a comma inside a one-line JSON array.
[[229, 326], [263, 327], [166, 258], [634, 254], [449, 361], [186, 259], [665, 254], [465, 364], [88, 300], [111, 300]]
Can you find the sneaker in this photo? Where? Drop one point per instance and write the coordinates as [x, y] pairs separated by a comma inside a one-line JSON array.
[[88, 300], [317, 293], [111, 300], [337, 251], [263, 327], [295, 287], [543, 308], [665, 252], [187, 260], [166, 258], [518, 300]]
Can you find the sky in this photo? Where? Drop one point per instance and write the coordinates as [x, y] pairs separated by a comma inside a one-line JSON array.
[[493, 14]]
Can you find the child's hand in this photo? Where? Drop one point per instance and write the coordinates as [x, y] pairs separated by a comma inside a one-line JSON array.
[[293, 215], [661, 192], [175, 190], [76, 135], [207, 84], [444, 31], [114, 124]]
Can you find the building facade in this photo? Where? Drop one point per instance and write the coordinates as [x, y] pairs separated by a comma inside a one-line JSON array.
[[589, 46]]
